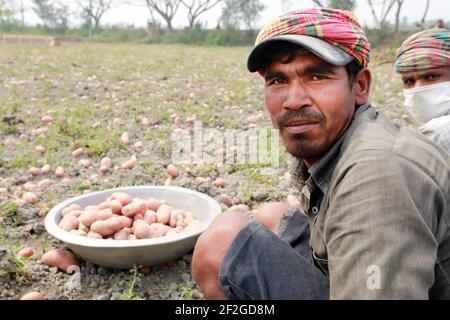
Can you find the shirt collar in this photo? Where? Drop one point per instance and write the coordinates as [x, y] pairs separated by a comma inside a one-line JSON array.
[[320, 172]]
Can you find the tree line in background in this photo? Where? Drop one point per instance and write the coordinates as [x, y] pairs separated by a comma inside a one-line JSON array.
[[236, 25]]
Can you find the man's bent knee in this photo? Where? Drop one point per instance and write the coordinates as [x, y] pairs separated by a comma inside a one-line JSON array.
[[271, 213], [210, 250]]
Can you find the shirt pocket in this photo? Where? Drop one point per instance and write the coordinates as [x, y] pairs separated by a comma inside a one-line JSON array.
[[321, 263]]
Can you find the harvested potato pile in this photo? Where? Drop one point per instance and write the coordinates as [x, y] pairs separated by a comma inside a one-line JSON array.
[[122, 217]]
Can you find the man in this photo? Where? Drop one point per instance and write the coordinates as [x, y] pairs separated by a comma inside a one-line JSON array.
[[376, 195], [440, 24], [423, 62]]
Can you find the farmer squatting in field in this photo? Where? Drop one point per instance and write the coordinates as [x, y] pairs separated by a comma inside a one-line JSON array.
[[423, 62], [375, 211]]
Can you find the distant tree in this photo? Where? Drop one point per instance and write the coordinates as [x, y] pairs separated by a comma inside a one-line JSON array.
[[93, 11], [197, 8], [424, 16], [7, 11], [397, 14], [337, 4], [342, 4], [53, 15], [241, 12], [380, 18], [318, 3], [165, 8]]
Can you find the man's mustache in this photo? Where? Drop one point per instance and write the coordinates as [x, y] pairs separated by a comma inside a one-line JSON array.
[[304, 114]]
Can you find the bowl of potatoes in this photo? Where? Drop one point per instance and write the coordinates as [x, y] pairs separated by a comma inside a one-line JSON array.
[[128, 226]]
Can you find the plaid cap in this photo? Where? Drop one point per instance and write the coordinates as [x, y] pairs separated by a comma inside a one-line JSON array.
[[424, 50], [339, 28]]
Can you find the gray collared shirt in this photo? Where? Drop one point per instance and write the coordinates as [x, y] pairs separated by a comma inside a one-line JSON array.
[[379, 212]]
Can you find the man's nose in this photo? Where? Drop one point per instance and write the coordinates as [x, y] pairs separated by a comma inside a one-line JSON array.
[[297, 97]]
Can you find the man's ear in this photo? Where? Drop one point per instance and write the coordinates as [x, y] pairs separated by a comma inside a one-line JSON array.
[[362, 86]]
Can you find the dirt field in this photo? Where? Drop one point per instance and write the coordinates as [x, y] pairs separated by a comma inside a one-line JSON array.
[[96, 92]]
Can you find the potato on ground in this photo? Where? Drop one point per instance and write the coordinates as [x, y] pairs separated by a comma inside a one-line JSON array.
[[61, 259]]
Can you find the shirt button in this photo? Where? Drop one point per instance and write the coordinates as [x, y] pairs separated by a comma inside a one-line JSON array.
[[314, 210]]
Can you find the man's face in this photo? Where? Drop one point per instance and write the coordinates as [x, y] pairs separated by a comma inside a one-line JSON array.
[[311, 102], [415, 79]]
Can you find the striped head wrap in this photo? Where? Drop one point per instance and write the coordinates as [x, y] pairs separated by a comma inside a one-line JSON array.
[[339, 28], [424, 50]]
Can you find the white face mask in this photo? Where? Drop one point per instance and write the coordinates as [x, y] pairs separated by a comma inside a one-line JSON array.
[[428, 102]]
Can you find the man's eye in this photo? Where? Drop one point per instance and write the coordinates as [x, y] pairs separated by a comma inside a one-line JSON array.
[[317, 77], [408, 81], [431, 77], [276, 81]]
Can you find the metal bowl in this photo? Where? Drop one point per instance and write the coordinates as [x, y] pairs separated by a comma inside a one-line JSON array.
[[146, 252]]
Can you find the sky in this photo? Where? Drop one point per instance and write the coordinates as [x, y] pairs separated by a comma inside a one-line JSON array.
[[138, 15]]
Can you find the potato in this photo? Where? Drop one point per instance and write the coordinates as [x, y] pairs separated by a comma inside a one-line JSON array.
[[219, 183], [110, 226], [132, 237], [45, 183], [89, 216], [145, 122], [82, 227], [103, 228], [103, 205], [94, 235], [121, 235], [135, 207], [91, 208], [29, 186], [163, 214], [150, 217], [175, 215], [142, 230], [86, 163], [32, 296], [153, 204], [172, 170], [70, 208], [34, 171], [69, 223], [129, 164], [30, 197], [106, 161], [125, 222], [138, 145], [159, 229], [139, 216], [26, 252], [116, 206], [79, 233], [45, 169], [40, 149], [181, 222], [124, 198], [105, 164], [59, 172], [75, 213], [77, 152], [61, 259], [125, 138], [47, 119]]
